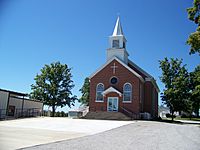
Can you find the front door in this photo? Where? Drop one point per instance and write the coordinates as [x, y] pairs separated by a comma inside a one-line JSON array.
[[112, 104]]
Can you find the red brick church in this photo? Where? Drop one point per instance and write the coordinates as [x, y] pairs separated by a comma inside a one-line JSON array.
[[120, 85]]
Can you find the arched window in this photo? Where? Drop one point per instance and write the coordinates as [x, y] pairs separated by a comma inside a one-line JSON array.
[[127, 92], [99, 90]]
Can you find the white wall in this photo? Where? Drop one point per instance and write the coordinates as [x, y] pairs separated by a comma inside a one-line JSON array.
[[27, 106], [119, 53], [3, 99], [32, 104], [15, 102]]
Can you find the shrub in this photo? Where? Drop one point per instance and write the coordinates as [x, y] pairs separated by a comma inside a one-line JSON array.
[[183, 116], [63, 114], [170, 116], [57, 114]]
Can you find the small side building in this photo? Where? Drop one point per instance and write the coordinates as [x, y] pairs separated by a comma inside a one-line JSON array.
[[78, 113], [15, 105]]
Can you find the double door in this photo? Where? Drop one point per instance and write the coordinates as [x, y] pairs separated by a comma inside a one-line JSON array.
[[112, 104]]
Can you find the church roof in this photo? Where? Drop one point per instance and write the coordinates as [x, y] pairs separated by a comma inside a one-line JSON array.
[[118, 28], [122, 63], [111, 89], [143, 73], [139, 70]]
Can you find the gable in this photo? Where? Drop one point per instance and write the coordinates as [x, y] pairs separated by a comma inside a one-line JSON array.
[[111, 89], [121, 63]]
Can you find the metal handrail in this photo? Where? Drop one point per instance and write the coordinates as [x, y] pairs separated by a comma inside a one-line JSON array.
[[26, 112], [131, 114]]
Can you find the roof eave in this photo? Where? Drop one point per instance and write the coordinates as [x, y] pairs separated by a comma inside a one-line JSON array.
[[13, 92]]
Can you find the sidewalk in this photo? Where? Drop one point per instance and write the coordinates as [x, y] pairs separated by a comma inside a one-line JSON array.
[[189, 121]]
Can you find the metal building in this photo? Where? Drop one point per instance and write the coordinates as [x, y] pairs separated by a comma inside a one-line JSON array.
[[16, 105]]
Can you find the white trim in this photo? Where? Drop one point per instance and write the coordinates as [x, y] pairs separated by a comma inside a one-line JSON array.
[[130, 91], [126, 101], [123, 64], [127, 83], [117, 104], [99, 101], [111, 89]]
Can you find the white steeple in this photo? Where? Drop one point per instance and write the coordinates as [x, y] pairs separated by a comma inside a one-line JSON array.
[[117, 44], [118, 28]]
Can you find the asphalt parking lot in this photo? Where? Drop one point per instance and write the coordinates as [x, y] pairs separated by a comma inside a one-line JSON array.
[[20, 133], [140, 135]]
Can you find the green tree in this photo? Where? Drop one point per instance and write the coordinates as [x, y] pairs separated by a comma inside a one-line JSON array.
[[194, 38], [63, 114], [85, 90], [53, 86], [57, 114], [176, 80], [195, 87]]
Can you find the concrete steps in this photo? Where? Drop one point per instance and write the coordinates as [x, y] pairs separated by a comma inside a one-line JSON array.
[[106, 115]]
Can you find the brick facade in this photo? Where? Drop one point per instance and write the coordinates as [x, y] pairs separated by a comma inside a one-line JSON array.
[[141, 90]]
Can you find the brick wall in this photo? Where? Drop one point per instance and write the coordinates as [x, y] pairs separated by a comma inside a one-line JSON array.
[[150, 99], [143, 99], [124, 76]]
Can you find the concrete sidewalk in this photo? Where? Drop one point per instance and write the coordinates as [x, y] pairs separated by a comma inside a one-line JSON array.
[[189, 122], [21, 133]]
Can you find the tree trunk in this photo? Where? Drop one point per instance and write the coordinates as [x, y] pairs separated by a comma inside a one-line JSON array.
[[53, 110], [190, 116], [172, 115], [197, 109]]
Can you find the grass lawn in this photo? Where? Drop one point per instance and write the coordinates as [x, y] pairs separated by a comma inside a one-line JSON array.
[[193, 119], [179, 118]]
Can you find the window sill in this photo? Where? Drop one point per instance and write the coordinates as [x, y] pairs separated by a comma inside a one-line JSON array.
[[127, 101], [99, 101]]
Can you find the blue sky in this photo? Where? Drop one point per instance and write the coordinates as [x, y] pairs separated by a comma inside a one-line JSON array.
[[38, 32]]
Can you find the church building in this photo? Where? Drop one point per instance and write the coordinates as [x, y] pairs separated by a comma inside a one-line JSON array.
[[120, 85]]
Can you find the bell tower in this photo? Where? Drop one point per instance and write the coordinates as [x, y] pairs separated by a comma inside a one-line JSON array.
[[117, 44]]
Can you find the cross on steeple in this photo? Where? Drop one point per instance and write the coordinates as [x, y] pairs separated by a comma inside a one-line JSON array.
[[114, 67]]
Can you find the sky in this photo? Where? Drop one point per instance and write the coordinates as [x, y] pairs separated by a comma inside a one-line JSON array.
[[75, 32]]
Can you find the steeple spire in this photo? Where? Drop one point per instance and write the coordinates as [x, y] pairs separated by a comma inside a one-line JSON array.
[[117, 44], [118, 28]]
